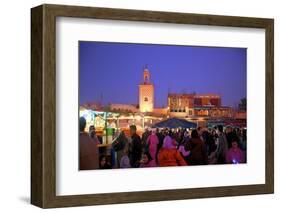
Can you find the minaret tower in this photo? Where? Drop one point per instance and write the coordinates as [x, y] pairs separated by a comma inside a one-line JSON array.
[[146, 92]]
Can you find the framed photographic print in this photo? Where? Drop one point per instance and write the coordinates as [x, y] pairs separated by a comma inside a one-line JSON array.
[[136, 106]]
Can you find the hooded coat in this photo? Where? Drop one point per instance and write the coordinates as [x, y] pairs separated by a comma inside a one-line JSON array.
[[169, 155]]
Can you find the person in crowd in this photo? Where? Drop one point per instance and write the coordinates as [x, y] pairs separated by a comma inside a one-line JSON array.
[[241, 134], [104, 163], [182, 146], [160, 135], [92, 133], [212, 152], [184, 139], [214, 133], [205, 135], [152, 144], [235, 155], [88, 149], [120, 144], [135, 147], [209, 141], [198, 154], [168, 155], [125, 160], [144, 138], [186, 136], [230, 134], [222, 146], [244, 140], [147, 160], [200, 132]]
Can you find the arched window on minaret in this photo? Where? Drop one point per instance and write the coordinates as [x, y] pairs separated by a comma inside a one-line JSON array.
[[146, 75], [145, 79]]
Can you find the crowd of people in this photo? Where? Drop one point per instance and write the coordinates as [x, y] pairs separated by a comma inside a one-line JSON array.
[[165, 147]]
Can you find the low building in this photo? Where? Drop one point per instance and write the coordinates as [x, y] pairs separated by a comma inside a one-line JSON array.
[[240, 115], [92, 106], [197, 107], [182, 102], [213, 112], [123, 107]]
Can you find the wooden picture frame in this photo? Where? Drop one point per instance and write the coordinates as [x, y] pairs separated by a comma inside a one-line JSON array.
[[43, 105]]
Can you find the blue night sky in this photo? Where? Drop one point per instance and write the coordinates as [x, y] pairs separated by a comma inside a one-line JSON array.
[[111, 71]]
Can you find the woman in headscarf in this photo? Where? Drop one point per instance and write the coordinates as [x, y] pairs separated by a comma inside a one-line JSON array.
[[152, 143], [169, 155]]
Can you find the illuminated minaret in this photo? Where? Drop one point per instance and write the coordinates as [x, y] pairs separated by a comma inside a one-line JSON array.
[[146, 93]]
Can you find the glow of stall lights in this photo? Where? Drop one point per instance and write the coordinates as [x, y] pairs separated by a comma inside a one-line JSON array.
[[138, 118]]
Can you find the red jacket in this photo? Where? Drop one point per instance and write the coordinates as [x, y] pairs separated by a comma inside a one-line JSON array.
[[170, 157]]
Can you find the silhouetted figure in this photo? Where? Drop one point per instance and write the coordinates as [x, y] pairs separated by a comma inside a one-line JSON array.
[[135, 147], [88, 149], [222, 145], [198, 154]]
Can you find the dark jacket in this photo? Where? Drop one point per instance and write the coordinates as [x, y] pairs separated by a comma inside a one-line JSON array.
[[88, 152], [222, 148], [135, 150], [198, 154]]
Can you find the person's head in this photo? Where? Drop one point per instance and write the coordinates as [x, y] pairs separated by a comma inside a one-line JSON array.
[[82, 124], [186, 134], [122, 137], [145, 158], [92, 128], [174, 136], [168, 142], [170, 132], [122, 134], [133, 129], [194, 134], [153, 131], [220, 128], [234, 143], [103, 160]]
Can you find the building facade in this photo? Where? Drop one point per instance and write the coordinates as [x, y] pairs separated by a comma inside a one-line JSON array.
[[146, 93], [197, 105]]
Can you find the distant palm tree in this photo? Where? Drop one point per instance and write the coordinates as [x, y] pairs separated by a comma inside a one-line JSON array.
[[242, 106]]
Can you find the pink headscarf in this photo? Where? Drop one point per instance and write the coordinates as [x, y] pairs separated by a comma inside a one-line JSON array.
[[168, 143]]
